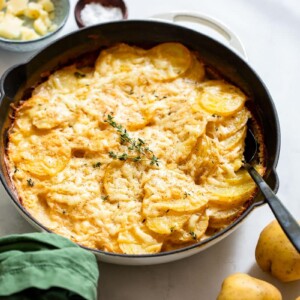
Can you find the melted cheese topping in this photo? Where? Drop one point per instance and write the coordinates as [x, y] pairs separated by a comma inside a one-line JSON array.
[[140, 154]]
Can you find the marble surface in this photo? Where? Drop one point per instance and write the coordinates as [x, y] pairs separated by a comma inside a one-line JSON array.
[[269, 30]]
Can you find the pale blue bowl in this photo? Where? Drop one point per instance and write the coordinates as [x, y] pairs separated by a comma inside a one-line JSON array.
[[62, 10]]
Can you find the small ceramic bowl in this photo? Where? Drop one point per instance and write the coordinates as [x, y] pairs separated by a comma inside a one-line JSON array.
[[62, 10], [106, 3]]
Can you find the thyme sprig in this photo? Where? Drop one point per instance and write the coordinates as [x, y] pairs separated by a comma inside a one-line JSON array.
[[137, 146]]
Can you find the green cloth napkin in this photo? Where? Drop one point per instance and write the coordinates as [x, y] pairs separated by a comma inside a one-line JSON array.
[[46, 266]]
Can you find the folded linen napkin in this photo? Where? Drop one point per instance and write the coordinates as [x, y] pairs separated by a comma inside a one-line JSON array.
[[46, 266]]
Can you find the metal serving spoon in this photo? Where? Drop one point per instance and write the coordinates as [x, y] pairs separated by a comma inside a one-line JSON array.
[[287, 222]]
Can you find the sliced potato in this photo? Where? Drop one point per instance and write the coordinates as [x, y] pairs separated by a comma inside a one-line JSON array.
[[138, 239], [220, 98], [231, 196], [196, 71], [122, 181], [43, 155], [220, 218], [188, 130], [224, 127], [46, 114], [168, 190], [169, 60], [232, 141], [121, 58], [67, 80], [242, 176], [192, 231], [203, 160], [166, 224]]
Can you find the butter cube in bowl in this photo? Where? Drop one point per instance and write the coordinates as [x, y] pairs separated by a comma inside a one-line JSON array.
[[27, 25]]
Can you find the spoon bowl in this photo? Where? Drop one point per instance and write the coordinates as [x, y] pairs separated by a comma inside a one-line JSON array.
[[287, 222]]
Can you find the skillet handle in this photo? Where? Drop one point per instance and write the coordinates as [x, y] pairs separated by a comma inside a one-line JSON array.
[[207, 21]]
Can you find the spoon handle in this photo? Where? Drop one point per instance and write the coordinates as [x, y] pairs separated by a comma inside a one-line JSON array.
[[287, 222]]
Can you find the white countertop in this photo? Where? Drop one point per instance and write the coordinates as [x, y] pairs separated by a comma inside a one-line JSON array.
[[270, 32]]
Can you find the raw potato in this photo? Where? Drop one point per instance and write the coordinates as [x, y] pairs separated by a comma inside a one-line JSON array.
[[241, 286], [2, 4], [275, 254], [10, 27]]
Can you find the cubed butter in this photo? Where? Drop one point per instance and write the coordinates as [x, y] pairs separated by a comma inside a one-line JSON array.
[[2, 4], [40, 26], [28, 34], [16, 7], [47, 5], [45, 17], [33, 10], [52, 28], [10, 27]]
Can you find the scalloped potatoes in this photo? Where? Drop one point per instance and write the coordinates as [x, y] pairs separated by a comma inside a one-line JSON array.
[[140, 154]]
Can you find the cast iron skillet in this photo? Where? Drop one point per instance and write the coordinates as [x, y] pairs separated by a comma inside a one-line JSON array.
[[20, 78]]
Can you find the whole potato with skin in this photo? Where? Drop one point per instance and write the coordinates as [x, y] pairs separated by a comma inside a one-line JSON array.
[[241, 286], [274, 253]]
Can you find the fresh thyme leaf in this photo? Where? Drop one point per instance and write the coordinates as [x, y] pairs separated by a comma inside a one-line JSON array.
[[123, 157], [186, 194], [97, 165], [104, 198], [138, 146], [112, 154], [141, 141], [193, 234], [124, 137], [30, 182], [154, 161]]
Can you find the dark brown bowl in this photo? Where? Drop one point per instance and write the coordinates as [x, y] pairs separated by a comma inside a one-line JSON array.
[[107, 3]]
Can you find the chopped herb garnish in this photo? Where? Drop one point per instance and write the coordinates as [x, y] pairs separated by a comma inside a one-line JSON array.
[[104, 198], [97, 165], [123, 156], [186, 194], [112, 154], [16, 170], [193, 234], [137, 158], [154, 161], [79, 75], [137, 145], [172, 229], [30, 182]]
